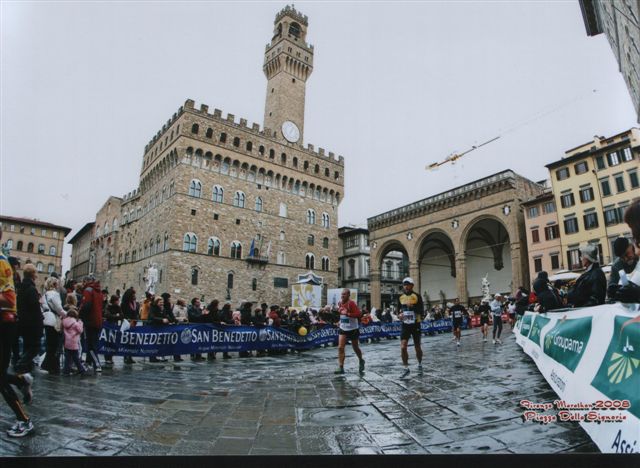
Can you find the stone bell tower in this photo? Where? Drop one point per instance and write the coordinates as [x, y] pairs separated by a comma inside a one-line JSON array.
[[288, 63]]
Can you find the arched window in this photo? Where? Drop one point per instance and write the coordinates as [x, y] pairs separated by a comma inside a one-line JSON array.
[[294, 161], [238, 199], [281, 258], [114, 224], [9, 243], [325, 242], [41, 248], [283, 210], [39, 267], [230, 281], [146, 250], [172, 188], [236, 142], [52, 250], [310, 239], [310, 261], [249, 146], [166, 242], [157, 244], [326, 172], [261, 150], [195, 188], [20, 246], [190, 243], [213, 246], [311, 216], [316, 169], [194, 275], [236, 249], [306, 165], [272, 154], [258, 204], [126, 257], [195, 129], [283, 158], [325, 220], [106, 227], [50, 268], [223, 137], [281, 235], [209, 133], [218, 194], [325, 263]]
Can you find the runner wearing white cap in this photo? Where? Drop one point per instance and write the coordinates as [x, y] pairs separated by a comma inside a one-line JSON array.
[[411, 314]]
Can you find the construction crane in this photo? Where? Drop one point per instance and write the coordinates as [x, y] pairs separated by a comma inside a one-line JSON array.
[[453, 157]]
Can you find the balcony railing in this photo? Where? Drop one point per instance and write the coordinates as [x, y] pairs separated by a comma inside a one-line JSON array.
[[262, 259]]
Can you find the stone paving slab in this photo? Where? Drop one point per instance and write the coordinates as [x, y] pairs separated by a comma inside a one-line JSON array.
[[464, 401]]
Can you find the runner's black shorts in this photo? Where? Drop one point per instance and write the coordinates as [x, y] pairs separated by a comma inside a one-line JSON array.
[[350, 334], [457, 323], [412, 330], [484, 320]]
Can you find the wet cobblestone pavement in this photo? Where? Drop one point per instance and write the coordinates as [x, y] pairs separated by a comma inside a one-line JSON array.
[[465, 401]]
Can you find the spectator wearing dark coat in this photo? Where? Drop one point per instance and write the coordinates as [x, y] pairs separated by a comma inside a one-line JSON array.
[[547, 298], [30, 324], [630, 293], [112, 314], [590, 288], [627, 262]]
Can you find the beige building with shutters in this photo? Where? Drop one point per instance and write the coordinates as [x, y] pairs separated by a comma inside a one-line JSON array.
[[543, 235], [592, 185], [231, 210], [37, 242]]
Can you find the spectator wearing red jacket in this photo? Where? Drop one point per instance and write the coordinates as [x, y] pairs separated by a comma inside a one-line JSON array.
[[91, 315]]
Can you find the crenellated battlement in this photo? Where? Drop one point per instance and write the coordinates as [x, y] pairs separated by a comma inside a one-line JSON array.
[[242, 124], [290, 10], [135, 193]]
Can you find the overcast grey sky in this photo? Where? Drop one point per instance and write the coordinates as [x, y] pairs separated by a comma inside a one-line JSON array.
[[395, 86]]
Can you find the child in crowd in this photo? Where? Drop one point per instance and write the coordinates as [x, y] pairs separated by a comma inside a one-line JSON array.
[[73, 328]]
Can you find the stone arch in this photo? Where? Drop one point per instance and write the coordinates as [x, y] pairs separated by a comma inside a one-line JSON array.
[[486, 245], [435, 254]]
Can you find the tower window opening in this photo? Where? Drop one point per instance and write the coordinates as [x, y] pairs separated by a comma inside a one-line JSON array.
[[294, 29]]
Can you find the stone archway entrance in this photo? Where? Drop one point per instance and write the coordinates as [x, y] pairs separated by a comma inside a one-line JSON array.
[[488, 253], [393, 267], [437, 267]]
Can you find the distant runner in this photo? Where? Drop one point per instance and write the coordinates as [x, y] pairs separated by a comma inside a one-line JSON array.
[[457, 314], [349, 330], [484, 319], [496, 311]]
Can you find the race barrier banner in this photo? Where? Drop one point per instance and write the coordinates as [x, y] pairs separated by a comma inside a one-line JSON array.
[[591, 358], [172, 340]]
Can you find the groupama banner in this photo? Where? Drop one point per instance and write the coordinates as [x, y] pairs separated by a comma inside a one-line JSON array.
[[171, 340], [591, 358]]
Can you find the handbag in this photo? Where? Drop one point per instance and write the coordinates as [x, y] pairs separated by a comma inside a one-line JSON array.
[[56, 321]]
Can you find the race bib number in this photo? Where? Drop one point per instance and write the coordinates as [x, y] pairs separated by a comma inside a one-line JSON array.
[[344, 320], [408, 317]]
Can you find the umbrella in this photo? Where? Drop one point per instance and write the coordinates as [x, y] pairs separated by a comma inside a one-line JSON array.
[[566, 276]]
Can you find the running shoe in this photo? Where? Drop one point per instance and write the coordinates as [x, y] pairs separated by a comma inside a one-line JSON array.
[[405, 373], [498, 340], [458, 343], [361, 366], [494, 341], [21, 429], [484, 339], [27, 393], [419, 367], [339, 370]]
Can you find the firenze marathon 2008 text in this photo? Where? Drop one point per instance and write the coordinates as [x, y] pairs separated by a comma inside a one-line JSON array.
[[596, 412]]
